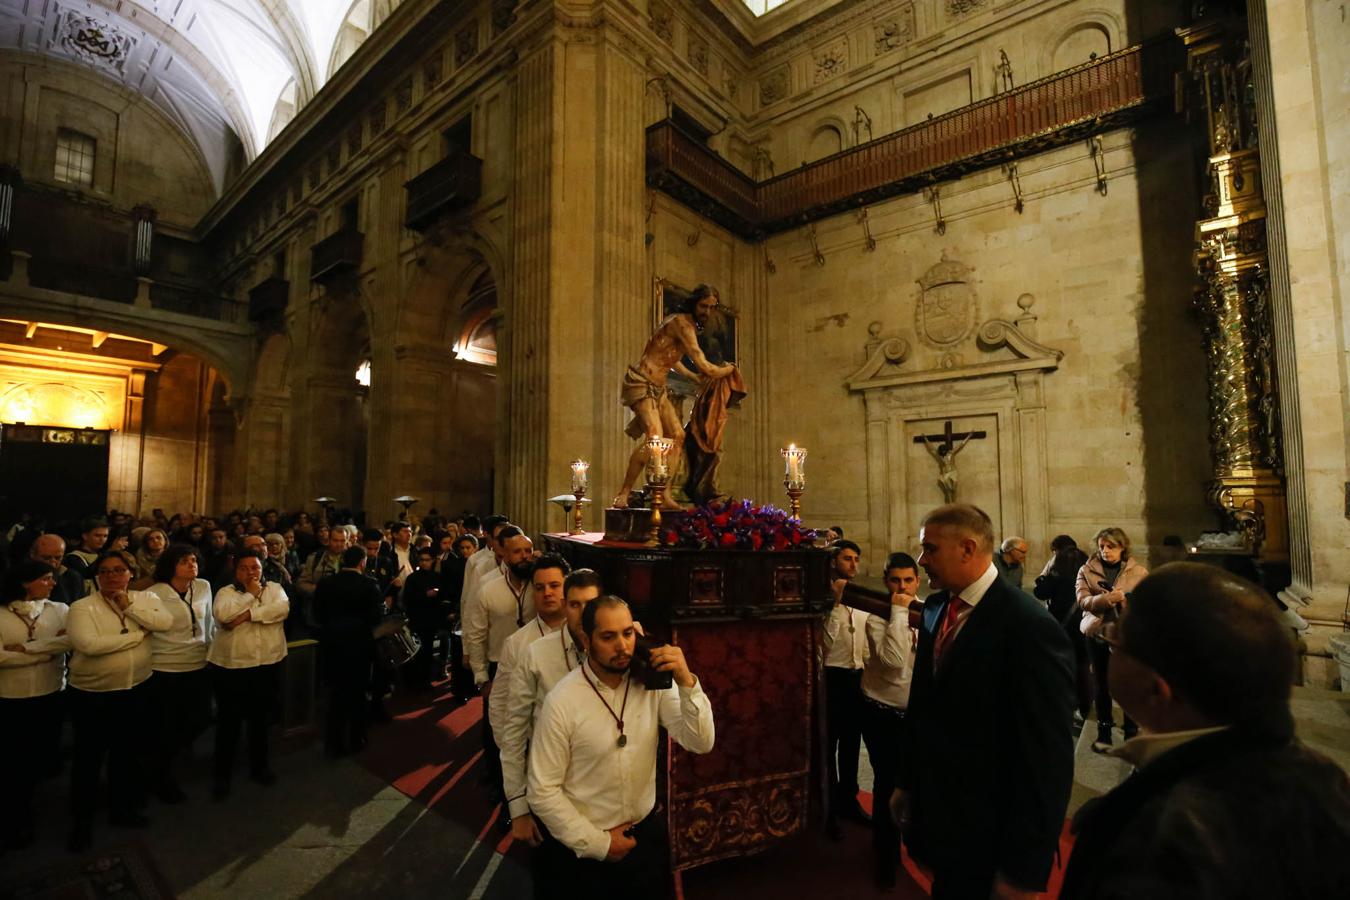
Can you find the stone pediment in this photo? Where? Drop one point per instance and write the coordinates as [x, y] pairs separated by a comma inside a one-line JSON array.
[[1004, 348]]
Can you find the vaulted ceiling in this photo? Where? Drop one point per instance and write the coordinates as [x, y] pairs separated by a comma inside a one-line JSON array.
[[215, 67]]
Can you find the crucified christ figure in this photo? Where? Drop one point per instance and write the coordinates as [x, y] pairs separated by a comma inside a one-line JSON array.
[[644, 384], [945, 456]]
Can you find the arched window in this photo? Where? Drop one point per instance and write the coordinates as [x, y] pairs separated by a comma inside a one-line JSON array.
[[826, 141], [477, 341]]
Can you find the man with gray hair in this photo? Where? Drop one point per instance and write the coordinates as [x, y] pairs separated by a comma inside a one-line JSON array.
[[51, 549], [989, 740], [1009, 559]]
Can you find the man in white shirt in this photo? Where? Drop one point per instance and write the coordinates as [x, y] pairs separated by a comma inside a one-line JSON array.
[[543, 664], [845, 648], [499, 608], [593, 762], [885, 688], [546, 587], [484, 565]]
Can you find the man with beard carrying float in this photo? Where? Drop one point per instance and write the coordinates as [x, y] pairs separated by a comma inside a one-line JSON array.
[[644, 384]]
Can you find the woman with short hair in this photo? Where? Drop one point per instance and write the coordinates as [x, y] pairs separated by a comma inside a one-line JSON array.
[[181, 689], [152, 546], [33, 646], [111, 662], [245, 659], [1102, 590]]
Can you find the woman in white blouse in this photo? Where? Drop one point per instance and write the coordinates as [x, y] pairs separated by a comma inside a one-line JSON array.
[[110, 631], [245, 657], [32, 666], [181, 689]]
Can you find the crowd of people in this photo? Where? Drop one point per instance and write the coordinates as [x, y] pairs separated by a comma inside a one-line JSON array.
[[967, 695]]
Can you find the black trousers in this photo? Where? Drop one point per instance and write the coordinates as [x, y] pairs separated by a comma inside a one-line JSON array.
[[1101, 664], [843, 730], [180, 709], [965, 883], [244, 697], [492, 756], [111, 726], [645, 872], [33, 748], [461, 679], [883, 730], [346, 672]]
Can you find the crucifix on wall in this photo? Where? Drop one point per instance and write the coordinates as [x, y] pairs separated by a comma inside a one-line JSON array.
[[943, 448]]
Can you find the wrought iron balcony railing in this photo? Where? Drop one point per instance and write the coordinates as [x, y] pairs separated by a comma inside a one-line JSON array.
[[1067, 106]]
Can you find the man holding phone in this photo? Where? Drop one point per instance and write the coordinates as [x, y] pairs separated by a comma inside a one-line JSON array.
[[592, 761]]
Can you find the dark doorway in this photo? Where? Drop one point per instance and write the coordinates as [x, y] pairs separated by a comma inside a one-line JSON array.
[[54, 473]]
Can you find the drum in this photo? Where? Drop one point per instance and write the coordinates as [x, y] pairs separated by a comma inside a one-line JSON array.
[[395, 644]]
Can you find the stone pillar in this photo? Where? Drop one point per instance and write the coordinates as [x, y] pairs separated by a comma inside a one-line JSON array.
[[577, 290], [1248, 486]]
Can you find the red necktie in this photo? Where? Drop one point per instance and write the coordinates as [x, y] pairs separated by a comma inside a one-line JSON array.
[[947, 633]]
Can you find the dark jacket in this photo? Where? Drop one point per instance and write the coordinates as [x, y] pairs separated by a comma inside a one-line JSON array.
[[1227, 816], [989, 746], [347, 607], [426, 612]]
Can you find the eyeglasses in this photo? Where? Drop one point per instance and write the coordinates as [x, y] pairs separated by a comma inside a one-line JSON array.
[[120, 570]]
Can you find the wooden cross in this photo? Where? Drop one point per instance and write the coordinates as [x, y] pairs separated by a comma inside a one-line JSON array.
[[948, 437]]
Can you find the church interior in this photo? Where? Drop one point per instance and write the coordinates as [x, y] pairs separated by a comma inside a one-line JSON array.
[[1081, 263]]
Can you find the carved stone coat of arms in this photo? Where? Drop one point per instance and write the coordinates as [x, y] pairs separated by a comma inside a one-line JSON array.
[[948, 310]]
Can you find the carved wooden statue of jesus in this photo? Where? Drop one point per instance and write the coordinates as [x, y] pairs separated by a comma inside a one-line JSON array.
[[943, 451], [644, 384]]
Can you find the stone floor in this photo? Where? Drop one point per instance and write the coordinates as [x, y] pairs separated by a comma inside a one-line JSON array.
[[332, 829]]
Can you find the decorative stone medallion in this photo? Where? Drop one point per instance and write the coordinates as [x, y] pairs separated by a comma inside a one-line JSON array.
[[93, 41], [466, 44], [895, 32], [773, 86], [698, 54], [947, 310], [831, 60], [662, 20]]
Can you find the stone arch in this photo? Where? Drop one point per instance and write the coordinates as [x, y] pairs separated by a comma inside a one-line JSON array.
[[272, 373], [828, 137], [1093, 32], [288, 104], [356, 27], [227, 348]]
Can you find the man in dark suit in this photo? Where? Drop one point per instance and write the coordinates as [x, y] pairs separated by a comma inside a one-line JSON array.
[[347, 607], [989, 744], [1225, 802]]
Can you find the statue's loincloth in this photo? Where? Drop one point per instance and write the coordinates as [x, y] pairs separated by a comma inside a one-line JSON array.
[[638, 387]]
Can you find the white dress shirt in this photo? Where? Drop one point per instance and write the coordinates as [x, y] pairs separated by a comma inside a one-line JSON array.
[[845, 640], [973, 593], [403, 556], [260, 641], [513, 650], [890, 659], [495, 614], [181, 647], [482, 566], [513, 704], [112, 652], [582, 783], [40, 668]]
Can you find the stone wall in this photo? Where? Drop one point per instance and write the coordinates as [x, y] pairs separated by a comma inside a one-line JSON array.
[[141, 157]]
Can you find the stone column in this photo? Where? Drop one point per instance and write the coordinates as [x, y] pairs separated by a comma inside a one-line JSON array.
[[577, 290], [1248, 485]]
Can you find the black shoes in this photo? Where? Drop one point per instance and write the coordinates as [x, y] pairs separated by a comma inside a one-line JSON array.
[[170, 794], [128, 820], [81, 839], [1103, 742]]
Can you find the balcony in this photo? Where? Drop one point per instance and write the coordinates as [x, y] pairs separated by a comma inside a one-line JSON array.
[[452, 184], [335, 256], [1097, 96], [267, 301]]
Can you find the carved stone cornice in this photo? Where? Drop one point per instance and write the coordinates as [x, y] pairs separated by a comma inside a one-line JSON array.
[[882, 369]]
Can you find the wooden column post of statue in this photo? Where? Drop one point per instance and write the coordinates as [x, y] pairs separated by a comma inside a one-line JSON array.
[[644, 384]]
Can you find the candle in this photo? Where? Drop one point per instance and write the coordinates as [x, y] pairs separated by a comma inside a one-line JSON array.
[[658, 449], [579, 467], [795, 458]]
